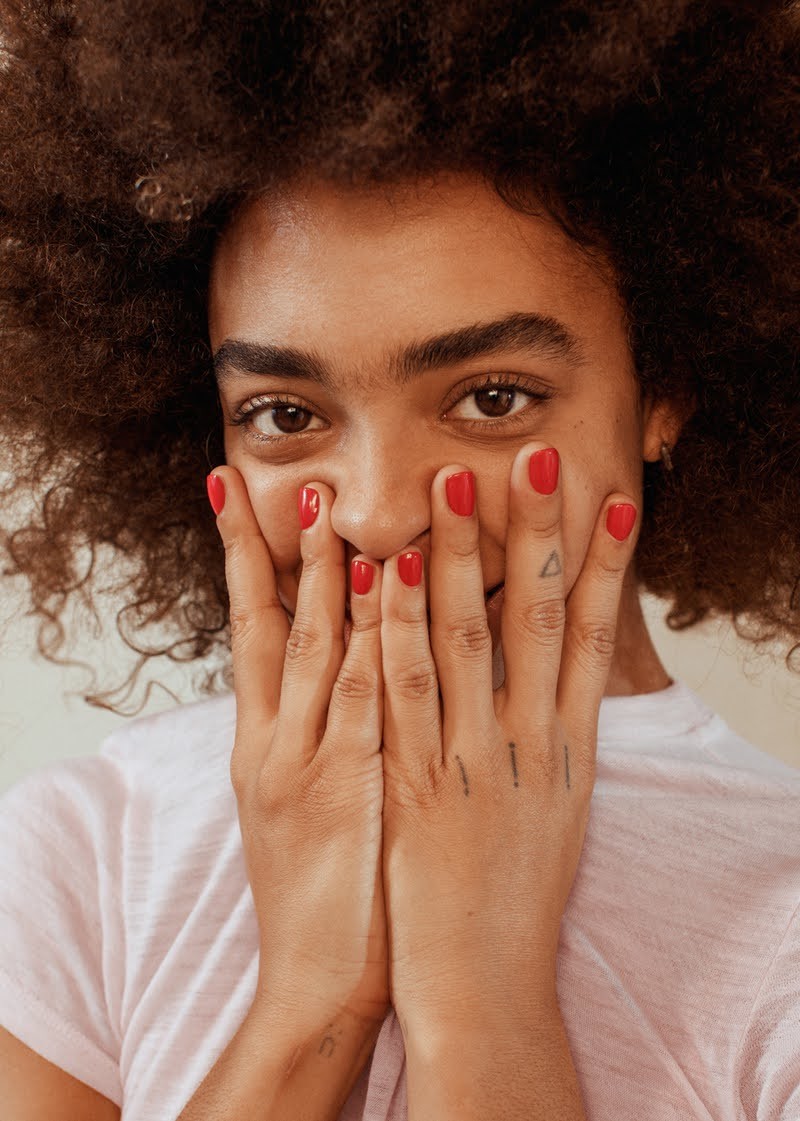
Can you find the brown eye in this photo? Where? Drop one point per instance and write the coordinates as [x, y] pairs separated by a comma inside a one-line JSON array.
[[285, 417], [288, 419], [495, 402], [502, 397]]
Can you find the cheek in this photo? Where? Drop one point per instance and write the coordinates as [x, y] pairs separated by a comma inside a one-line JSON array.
[[597, 468], [581, 506], [493, 526], [275, 508], [614, 467]]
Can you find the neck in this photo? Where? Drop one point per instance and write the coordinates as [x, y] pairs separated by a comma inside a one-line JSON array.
[[636, 666]]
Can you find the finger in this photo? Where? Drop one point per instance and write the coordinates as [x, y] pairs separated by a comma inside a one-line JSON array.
[[459, 631], [532, 620], [355, 713], [315, 646], [592, 613], [412, 722], [259, 625]]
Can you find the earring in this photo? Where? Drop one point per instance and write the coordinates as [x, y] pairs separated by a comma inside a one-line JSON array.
[[666, 458], [208, 441]]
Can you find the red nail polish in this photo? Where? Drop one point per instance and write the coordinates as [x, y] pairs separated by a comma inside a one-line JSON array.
[[620, 520], [409, 565], [216, 493], [361, 575], [308, 506], [460, 490], [543, 470]]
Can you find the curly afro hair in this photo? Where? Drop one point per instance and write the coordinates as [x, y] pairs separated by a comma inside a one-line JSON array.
[[663, 131]]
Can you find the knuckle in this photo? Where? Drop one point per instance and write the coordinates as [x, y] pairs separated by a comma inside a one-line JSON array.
[[238, 775], [596, 640], [609, 569], [544, 621], [355, 684], [463, 549], [237, 548], [304, 644], [548, 524], [268, 792], [541, 518], [241, 776], [244, 762], [242, 625], [469, 636], [368, 627], [245, 622], [234, 547], [415, 683], [313, 561]]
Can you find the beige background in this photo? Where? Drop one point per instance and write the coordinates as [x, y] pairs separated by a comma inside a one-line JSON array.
[[43, 716]]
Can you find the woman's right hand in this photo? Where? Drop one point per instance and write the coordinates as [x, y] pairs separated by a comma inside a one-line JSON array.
[[307, 771]]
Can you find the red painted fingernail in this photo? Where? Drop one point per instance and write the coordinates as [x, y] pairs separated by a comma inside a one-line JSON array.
[[361, 575], [460, 490], [308, 506], [216, 493], [620, 520], [543, 470], [409, 565]]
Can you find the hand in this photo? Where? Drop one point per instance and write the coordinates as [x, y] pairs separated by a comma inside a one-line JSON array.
[[309, 796], [487, 795]]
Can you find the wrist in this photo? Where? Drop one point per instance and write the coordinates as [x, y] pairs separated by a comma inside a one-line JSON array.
[[514, 1070], [430, 1037], [300, 1032]]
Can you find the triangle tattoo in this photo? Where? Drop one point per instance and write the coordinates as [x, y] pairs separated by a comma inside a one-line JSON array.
[[553, 565]]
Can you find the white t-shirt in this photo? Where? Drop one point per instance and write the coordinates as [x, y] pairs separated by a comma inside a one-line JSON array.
[[129, 941]]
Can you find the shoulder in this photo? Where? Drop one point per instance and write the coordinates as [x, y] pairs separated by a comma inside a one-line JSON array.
[[191, 738], [182, 753], [677, 727]]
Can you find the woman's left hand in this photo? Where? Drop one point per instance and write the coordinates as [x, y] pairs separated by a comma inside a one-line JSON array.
[[487, 794]]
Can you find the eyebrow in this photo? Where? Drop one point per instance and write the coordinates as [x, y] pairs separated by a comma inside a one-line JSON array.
[[540, 335]]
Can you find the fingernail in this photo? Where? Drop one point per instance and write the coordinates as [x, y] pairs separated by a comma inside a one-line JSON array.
[[620, 520], [409, 565], [460, 490], [216, 493], [361, 574], [543, 470], [308, 506]]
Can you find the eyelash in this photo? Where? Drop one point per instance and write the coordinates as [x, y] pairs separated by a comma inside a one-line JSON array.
[[271, 401]]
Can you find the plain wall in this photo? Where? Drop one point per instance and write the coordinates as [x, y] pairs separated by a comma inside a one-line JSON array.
[[40, 721]]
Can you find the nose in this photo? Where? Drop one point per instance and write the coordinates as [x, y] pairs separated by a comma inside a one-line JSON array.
[[382, 501]]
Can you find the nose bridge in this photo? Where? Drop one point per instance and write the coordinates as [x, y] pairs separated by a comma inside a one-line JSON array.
[[382, 485]]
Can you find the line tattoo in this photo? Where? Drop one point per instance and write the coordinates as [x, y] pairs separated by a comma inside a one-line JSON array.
[[566, 760], [463, 776], [552, 565], [513, 747]]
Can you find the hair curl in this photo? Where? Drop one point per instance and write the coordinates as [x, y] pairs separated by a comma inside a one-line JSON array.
[[665, 131]]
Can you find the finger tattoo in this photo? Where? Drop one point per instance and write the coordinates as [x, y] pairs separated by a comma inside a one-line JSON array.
[[464, 777], [513, 748], [566, 760], [552, 565]]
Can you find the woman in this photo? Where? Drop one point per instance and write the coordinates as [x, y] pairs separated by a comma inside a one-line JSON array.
[[490, 319]]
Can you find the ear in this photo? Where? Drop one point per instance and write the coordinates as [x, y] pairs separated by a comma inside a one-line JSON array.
[[662, 424]]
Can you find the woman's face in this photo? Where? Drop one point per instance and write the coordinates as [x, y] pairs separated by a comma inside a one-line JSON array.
[[381, 321]]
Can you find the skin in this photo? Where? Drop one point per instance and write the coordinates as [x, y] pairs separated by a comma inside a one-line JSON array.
[[354, 275]]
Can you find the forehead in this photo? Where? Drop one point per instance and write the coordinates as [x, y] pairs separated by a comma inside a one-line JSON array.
[[317, 265]]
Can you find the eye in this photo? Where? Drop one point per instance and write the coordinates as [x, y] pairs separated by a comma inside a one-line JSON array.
[[494, 396], [283, 413]]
